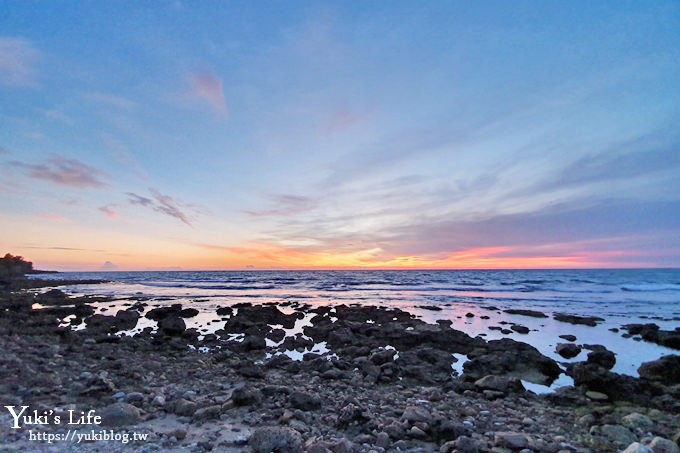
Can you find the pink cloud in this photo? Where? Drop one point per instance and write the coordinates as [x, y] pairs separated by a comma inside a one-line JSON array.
[[17, 60], [109, 211], [66, 172], [207, 87]]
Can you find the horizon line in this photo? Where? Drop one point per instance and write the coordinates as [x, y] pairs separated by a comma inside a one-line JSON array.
[[45, 271]]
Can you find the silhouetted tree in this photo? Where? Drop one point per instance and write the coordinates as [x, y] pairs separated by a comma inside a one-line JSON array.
[[13, 267]]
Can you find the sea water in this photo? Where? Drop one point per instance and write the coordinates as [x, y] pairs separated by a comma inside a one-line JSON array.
[[619, 296]]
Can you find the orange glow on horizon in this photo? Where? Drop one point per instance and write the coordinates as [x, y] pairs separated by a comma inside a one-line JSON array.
[[257, 256]]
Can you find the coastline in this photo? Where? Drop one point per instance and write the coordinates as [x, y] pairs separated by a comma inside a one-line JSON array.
[[190, 395]]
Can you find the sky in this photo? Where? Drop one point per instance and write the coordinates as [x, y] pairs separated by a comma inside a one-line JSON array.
[[141, 135]]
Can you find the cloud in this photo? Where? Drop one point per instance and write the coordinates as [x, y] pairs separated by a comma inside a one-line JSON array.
[[109, 211], [139, 200], [207, 87], [3, 151], [65, 249], [66, 172], [111, 100], [164, 204], [17, 60], [285, 205]]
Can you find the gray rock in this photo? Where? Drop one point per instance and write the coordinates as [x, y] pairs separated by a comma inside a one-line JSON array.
[[661, 445], [245, 396], [637, 447], [500, 383], [208, 413], [568, 337], [184, 408], [466, 444], [511, 440], [382, 357], [304, 401], [416, 414], [596, 396], [451, 430], [119, 414], [382, 439], [448, 447], [158, 400], [638, 421], [277, 438], [134, 397], [618, 434]]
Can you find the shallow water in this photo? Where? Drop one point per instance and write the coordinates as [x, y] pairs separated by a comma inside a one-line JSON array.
[[618, 296]]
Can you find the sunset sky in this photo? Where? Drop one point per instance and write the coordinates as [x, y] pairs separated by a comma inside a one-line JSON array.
[[442, 134]]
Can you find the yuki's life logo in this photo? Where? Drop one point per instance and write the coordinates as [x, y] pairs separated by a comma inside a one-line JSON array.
[[21, 416]]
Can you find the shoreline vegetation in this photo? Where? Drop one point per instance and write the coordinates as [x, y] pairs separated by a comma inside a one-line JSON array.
[[385, 385]]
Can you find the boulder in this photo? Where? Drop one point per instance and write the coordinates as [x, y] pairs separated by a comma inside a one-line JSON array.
[[637, 421], [511, 358], [159, 313], [568, 350], [277, 438], [189, 312], [245, 396], [416, 414], [304, 401], [119, 414], [511, 440], [127, 319], [618, 434], [606, 359], [503, 384], [172, 326], [665, 370], [637, 447], [661, 445]]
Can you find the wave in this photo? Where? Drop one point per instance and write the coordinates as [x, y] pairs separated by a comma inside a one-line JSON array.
[[645, 287]]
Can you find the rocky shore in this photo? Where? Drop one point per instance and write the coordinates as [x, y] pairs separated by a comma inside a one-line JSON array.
[[368, 379]]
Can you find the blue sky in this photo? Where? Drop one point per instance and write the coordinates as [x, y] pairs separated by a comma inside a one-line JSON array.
[[336, 134]]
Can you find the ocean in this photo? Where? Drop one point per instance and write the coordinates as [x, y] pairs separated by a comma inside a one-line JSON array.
[[619, 296]]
